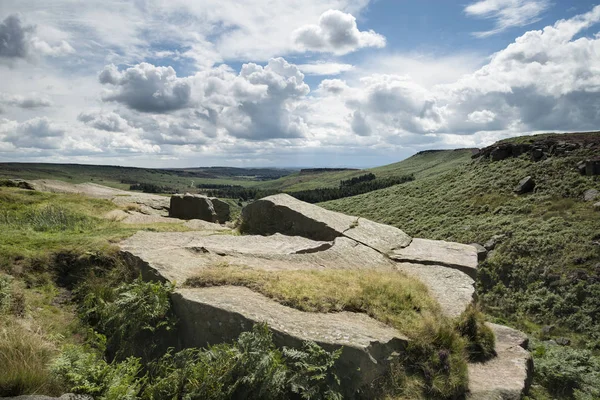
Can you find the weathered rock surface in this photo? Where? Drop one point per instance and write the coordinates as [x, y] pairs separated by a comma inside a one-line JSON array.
[[592, 167], [438, 252], [591, 195], [177, 256], [508, 375], [481, 251], [148, 203], [525, 185], [217, 314], [283, 213], [452, 288], [195, 206]]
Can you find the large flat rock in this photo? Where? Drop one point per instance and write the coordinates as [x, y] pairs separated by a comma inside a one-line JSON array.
[[438, 252], [148, 203], [283, 213], [217, 314], [176, 256], [507, 376]]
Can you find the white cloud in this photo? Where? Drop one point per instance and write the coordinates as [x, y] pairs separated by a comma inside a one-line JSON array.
[[325, 68], [146, 88], [481, 117], [507, 13], [38, 133], [30, 101], [111, 122], [336, 33], [333, 86]]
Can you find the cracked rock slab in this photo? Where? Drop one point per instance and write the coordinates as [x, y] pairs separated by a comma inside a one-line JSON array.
[[177, 256], [283, 213], [508, 375], [218, 314], [453, 289], [438, 252]]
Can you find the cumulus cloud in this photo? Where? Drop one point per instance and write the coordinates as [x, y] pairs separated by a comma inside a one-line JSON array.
[[18, 41], [506, 13], [325, 68], [333, 86], [30, 101], [14, 37], [111, 122], [38, 133], [336, 33], [146, 88], [264, 101], [481, 117]]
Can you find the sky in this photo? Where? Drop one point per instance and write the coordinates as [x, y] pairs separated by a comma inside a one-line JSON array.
[[289, 83]]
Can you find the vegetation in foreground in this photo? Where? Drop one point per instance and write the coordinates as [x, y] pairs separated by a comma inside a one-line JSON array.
[[70, 308]]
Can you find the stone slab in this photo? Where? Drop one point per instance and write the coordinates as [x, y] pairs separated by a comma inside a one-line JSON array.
[[438, 252], [508, 375], [218, 314]]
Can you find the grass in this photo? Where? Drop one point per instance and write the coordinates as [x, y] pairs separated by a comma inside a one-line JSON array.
[[388, 296]]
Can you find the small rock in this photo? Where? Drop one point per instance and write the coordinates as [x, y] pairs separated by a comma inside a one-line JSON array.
[[597, 206], [592, 167], [493, 242], [526, 185], [481, 251], [563, 341], [547, 330], [590, 194], [581, 167], [537, 154]]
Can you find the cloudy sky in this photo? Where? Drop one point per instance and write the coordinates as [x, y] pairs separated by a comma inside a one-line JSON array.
[[172, 83]]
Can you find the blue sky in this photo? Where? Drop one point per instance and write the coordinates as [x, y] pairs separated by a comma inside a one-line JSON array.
[[289, 82]]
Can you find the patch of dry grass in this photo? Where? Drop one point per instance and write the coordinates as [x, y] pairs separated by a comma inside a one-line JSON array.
[[388, 296]]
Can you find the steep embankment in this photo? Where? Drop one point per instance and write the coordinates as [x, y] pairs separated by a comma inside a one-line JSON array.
[[544, 273]]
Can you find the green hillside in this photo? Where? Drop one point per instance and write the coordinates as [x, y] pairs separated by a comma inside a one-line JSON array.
[[122, 177], [544, 274], [421, 165]]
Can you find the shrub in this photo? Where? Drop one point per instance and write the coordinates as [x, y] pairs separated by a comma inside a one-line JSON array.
[[250, 368], [481, 342], [84, 372], [135, 317], [567, 372]]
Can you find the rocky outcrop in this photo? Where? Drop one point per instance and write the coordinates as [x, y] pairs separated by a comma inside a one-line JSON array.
[[508, 375], [307, 237], [218, 314], [543, 146], [592, 167], [151, 204], [525, 185], [284, 214], [195, 206]]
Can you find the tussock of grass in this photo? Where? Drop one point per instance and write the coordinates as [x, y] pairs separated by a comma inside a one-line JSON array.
[[481, 342], [24, 356], [388, 296]]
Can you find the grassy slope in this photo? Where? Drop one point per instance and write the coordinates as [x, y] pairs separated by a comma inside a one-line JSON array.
[[421, 165], [112, 175]]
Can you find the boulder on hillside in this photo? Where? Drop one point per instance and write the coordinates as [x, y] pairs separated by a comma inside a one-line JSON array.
[[592, 167], [285, 214], [494, 241], [194, 206], [481, 251], [590, 195], [526, 185], [597, 206]]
